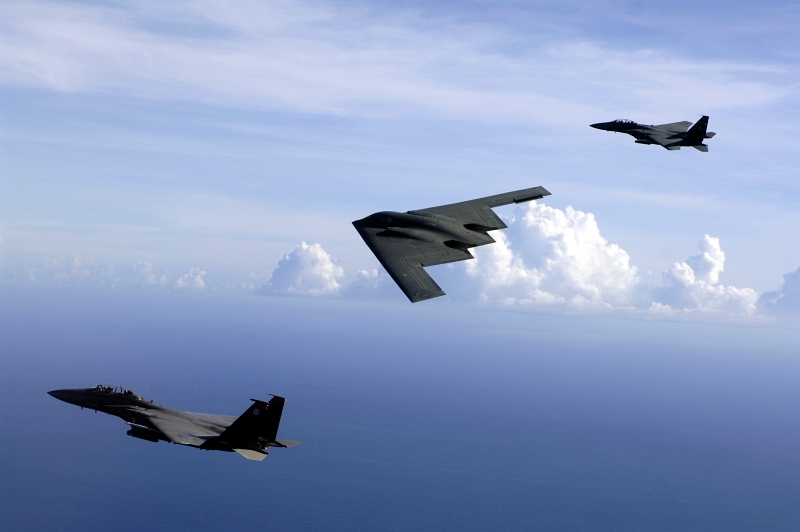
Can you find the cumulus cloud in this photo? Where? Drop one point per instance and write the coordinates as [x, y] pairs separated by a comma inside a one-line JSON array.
[[194, 279], [550, 256], [71, 270], [694, 284], [559, 258], [371, 284], [149, 276], [308, 269], [786, 300]]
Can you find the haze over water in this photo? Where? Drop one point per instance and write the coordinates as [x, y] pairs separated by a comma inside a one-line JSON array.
[[442, 418]]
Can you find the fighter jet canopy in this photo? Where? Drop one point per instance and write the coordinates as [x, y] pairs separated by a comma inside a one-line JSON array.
[[115, 389]]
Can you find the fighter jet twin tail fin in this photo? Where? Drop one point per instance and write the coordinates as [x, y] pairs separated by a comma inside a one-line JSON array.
[[256, 429]]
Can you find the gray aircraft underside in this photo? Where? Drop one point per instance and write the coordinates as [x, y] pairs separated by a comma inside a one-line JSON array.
[[248, 435], [405, 243], [670, 136]]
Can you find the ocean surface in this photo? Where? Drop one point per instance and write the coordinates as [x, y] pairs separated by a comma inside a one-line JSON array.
[[426, 417]]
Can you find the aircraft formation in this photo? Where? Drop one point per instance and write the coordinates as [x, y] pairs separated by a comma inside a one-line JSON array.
[[405, 243]]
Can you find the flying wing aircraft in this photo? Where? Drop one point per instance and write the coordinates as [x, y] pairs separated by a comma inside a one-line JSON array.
[[670, 136], [249, 435], [405, 243]]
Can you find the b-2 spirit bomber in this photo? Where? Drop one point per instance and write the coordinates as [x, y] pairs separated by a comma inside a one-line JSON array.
[[405, 243], [670, 136], [249, 435]]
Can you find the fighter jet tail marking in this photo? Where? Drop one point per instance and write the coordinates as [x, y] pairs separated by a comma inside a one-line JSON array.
[[257, 425]]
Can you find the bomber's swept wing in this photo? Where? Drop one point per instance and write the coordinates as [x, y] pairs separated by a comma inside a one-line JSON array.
[[478, 212], [181, 430], [404, 257]]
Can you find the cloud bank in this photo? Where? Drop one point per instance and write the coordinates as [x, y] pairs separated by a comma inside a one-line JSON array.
[[194, 279], [547, 258]]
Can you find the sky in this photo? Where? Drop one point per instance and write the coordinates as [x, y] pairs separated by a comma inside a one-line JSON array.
[[145, 142], [177, 185]]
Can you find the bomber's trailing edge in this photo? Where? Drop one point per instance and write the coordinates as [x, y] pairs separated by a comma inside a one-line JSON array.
[[670, 136], [405, 243], [249, 435]]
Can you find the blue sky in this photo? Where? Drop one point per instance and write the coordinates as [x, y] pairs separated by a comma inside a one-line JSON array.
[[426, 420], [623, 358], [203, 137]]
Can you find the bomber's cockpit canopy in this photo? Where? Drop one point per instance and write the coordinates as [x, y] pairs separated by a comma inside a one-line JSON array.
[[116, 390]]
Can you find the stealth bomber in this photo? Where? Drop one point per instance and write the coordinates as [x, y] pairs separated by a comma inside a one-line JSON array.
[[249, 434], [405, 243], [670, 136]]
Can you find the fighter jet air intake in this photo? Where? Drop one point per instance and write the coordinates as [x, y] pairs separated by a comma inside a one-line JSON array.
[[405, 243], [670, 136], [249, 435]]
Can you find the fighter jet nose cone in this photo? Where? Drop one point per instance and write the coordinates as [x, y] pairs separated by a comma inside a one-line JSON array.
[[596, 126], [59, 394]]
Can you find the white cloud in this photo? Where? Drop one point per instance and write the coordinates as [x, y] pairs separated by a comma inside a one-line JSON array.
[[371, 284], [786, 300], [149, 276], [194, 279], [694, 284], [71, 270], [549, 256], [306, 270], [321, 57]]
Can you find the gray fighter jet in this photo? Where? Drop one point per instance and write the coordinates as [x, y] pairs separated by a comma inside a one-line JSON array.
[[249, 435], [405, 243], [670, 136]]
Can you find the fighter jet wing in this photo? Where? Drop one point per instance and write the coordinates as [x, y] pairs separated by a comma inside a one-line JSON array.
[[182, 430], [677, 127], [670, 136], [670, 140], [404, 259], [478, 212]]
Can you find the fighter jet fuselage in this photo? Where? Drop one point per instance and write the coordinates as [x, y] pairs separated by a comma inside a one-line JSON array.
[[670, 136], [249, 435]]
